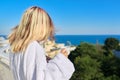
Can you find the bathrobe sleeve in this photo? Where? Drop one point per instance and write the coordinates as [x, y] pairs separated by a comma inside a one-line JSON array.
[[59, 68]]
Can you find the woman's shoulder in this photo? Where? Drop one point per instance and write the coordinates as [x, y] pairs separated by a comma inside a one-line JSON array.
[[33, 47], [34, 44]]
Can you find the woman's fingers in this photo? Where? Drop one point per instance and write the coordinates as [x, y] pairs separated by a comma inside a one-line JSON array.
[[64, 51]]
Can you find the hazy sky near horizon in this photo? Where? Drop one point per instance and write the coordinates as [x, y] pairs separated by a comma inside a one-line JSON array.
[[69, 16]]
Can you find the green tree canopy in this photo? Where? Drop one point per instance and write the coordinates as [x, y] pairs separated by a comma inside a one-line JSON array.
[[87, 69], [111, 43], [91, 64]]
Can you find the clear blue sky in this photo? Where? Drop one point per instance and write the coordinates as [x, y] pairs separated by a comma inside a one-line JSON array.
[[69, 16]]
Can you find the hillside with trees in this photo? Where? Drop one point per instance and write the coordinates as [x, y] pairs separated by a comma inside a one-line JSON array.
[[96, 62]]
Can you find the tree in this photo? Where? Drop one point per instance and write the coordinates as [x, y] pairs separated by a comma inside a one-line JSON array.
[[87, 63], [118, 48], [82, 50], [86, 69], [91, 64], [111, 43]]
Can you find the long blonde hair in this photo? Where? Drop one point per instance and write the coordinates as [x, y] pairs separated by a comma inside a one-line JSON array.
[[36, 24]]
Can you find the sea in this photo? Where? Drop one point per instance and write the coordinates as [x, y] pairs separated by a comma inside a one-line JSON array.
[[77, 39]]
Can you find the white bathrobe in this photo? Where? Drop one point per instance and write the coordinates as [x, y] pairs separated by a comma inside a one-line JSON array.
[[32, 65]]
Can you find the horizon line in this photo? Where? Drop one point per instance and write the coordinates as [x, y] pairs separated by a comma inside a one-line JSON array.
[[71, 34]]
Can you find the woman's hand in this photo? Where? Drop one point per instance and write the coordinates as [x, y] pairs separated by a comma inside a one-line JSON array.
[[64, 52]]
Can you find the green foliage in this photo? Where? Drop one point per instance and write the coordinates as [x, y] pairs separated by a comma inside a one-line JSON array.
[[110, 66], [88, 68], [118, 48], [111, 43], [87, 49], [91, 63], [82, 50]]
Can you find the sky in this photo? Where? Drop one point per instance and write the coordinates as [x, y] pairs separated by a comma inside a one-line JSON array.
[[70, 17]]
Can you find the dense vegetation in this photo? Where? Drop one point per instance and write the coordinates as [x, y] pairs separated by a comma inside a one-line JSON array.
[[96, 62]]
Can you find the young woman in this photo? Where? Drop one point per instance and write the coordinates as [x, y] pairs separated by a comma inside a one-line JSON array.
[[27, 57]]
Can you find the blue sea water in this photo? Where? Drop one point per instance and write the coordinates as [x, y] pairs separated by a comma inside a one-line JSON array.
[[77, 39]]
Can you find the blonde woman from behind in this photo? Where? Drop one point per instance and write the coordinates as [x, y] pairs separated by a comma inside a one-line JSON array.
[[27, 56]]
